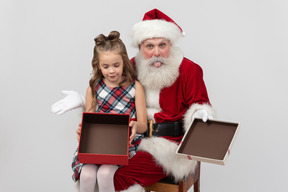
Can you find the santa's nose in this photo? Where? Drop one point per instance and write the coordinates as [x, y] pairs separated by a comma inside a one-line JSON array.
[[156, 52]]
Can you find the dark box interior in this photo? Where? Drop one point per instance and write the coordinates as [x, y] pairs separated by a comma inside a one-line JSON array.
[[208, 142], [104, 138]]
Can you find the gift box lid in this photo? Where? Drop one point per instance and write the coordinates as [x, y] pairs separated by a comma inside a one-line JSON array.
[[209, 141]]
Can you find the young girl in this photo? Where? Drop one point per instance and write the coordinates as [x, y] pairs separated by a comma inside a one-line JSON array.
[[112, 90]]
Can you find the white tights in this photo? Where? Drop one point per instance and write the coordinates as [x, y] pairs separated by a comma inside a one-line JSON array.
[[104, 174]]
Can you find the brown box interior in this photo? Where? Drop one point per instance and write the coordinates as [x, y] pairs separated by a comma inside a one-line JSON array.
[[209, 140], [104, 134]]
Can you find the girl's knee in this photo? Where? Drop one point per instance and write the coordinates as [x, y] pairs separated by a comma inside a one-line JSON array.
[[88, 172], [106, 172]]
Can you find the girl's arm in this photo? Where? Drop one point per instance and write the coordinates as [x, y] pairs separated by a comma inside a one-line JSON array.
[[89, 99], [139, 126]]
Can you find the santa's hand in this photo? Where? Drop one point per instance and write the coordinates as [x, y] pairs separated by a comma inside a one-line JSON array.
[[202, 114], [72, 100]]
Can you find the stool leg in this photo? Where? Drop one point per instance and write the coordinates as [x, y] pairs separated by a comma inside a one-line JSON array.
[[197, 185], [181, 186]]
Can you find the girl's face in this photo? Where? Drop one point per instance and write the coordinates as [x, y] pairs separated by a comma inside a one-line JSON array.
[[111, 66]]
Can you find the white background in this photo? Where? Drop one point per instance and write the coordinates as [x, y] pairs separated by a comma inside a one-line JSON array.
[[46, 46]]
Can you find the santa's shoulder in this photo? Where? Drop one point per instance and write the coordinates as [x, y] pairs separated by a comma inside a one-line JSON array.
[[188, 66]]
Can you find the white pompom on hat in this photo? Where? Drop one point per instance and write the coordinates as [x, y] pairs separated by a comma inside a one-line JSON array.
[[156, 24]]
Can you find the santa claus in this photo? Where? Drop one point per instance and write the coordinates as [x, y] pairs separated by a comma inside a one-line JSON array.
[[175, 94]]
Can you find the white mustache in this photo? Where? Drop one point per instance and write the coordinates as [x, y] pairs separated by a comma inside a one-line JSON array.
[[156, 59]]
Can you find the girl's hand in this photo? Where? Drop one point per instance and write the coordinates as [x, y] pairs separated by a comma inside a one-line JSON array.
[[78, 131], [133, 125]]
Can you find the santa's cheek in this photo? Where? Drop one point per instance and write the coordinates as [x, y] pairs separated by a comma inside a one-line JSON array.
[[147, 54]]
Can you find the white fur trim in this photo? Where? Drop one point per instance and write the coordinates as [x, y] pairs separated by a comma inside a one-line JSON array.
[[155, 28], [188, 117], [164, 153], [152, 98], [134, 188], [151, 112], [152, 102]]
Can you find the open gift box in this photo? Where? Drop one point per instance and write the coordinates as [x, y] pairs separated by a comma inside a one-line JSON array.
[[209, 141], [104, 139]]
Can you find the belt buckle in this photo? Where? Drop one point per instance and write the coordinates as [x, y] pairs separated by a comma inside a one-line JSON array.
[[150, 122]]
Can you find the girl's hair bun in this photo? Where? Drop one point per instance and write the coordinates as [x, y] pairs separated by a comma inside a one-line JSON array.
[[102, 39], [114, 35]]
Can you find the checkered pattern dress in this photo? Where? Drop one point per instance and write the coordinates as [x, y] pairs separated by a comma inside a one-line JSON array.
[[117, 100]]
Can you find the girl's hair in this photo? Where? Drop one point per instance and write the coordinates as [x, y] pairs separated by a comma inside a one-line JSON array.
[[111, 42]]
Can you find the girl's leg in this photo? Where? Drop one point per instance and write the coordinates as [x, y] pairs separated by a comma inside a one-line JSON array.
[[105, 177], [88, 178]]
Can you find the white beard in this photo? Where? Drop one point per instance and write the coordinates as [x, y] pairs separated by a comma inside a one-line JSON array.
[[164, 76]]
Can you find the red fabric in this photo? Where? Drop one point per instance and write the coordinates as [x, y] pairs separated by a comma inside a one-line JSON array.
[[142, 170], [156, 14], [176, 140], [189, 88]]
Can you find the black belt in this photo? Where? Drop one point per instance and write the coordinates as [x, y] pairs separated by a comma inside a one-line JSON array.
[[173, 129]]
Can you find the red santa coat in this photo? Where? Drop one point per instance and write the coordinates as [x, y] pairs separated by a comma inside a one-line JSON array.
[[177, 102], [188, 89]]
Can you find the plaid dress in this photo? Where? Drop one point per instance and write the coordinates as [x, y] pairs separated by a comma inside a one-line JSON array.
[[112, 100]]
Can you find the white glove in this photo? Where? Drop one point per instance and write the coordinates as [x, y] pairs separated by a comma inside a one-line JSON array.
[[72, 100], [202, 114]]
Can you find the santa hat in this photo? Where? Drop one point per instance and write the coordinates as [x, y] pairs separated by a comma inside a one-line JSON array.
[[156, 24]]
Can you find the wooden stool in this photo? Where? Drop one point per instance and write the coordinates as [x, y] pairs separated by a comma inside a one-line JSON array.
[[168, 185]]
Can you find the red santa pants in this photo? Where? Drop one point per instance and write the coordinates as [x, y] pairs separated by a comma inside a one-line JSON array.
[[142, 169]]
